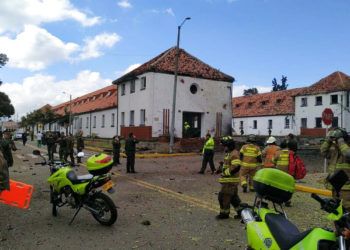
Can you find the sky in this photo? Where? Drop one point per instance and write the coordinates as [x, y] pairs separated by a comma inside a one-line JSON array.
[[58, 48]]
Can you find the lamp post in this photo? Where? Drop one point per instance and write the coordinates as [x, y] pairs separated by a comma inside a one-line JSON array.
[[172, 128], [70, 111]]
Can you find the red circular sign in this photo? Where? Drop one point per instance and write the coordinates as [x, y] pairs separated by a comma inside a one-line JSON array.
[[327, 116]]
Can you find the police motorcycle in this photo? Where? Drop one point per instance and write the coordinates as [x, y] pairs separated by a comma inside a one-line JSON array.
[[85, 191], [270, 228]]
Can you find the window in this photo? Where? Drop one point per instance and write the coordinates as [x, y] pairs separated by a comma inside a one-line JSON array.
[[123, 89], [286, 122], [334, 99], [75, 122], [241, 124], [103, 121], [318, 100], [269, 126], [87, 122], [335, 122], [347, 99], [303, 122], [318, 122], [94, 123], [193, 88], [132, 86], [143, 83], [278, 101], [131, 122], [112, 119], [237, 105], [255, 124], [263, 103], [81, 123], [304, 102], [250, 104], [142, 116], [122, 122]]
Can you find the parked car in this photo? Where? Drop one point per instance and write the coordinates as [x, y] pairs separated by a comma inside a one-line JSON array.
[[18, 136]]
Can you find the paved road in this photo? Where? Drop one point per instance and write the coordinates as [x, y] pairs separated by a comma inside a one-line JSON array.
[[180, 205]]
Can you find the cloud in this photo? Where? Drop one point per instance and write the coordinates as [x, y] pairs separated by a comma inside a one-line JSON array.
[[128, 69], [38, 90], [124, 4], [93, 47], [35, 49], [238, 89], [168, 11], [15, 14]]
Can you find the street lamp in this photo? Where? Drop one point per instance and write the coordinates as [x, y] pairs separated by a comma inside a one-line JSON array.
[[172, 129], [70, 110]]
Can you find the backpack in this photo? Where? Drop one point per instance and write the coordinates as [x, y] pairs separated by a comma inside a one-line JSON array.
[[296, 166]]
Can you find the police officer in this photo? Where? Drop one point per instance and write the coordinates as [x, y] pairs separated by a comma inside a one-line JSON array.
[[80, 144], [229, 180], [62, 142], [116, 150], [70, 149], [130, 150], [338, 152], [250, 156], [208, 154], [50, 142], [4, 174], [7, 146]]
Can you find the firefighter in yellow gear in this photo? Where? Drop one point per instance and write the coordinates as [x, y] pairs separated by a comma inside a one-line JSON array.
[[208, 154], [339, 156], [269, 152], [229, 180], [281, 158], [250, 156]]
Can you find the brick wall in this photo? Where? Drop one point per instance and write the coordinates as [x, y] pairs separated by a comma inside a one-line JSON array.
[[141, 132], [314, 132]]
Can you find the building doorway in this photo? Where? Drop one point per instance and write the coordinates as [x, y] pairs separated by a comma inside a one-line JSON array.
[[191, 126]]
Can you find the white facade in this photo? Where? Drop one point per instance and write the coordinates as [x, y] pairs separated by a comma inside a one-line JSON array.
[[101, 123], [309, 108], [280, 125], [211, 97]]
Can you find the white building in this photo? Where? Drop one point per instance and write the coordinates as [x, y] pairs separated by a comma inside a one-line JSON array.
[[330, 92], [95, 113], [297, 111], [203, 98]]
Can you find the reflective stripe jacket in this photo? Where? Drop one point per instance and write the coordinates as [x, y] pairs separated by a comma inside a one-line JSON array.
[[209, 145], [231, 163], [250, 155], [330, 151], [268, 154], [281, 160]]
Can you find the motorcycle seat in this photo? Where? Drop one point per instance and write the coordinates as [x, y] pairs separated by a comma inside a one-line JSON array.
[[72, 176], [285, 232]]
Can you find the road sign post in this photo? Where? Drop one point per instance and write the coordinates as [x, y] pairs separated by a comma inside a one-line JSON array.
[[327, 118]]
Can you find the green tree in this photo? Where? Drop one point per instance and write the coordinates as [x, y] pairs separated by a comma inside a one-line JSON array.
[[3, 60], [282, 86], [6, 108], [251, 91]]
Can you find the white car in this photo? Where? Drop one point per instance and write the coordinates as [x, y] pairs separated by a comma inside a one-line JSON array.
[[18, 136]]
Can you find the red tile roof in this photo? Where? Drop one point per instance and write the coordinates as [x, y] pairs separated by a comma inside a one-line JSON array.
[[265, 104], [337, 81], [101, 99], [188, 66]]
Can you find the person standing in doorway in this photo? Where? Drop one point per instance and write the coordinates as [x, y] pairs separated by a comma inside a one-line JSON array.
[[208, 154], [116, 150], [130, 150]]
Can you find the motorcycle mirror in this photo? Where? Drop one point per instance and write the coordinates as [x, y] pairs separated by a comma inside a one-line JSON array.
[[81, 154], [338, 180], [36, 152]]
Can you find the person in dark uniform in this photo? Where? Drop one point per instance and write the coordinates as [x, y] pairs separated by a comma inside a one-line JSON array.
[[4, 173], [130, 150], [70, 149], [63, 146], [80, 144], [50, 142], [24, 138], [292, 143], [116, 150], [7, 146]]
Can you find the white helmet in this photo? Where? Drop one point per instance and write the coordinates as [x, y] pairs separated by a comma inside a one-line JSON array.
[[271, 140]]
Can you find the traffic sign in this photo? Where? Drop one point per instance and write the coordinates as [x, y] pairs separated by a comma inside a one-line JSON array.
[[327, 116]]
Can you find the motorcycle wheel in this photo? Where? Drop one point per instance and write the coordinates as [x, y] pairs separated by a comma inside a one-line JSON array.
[[53, 200], [107, 211]]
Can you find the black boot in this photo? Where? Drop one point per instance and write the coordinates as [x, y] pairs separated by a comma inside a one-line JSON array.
[[222, 216]]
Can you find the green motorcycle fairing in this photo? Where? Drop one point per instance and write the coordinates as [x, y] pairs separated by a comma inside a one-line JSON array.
[[59, 179], [260, 237]]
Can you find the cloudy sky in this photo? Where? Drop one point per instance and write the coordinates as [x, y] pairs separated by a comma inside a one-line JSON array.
[[78, 46]]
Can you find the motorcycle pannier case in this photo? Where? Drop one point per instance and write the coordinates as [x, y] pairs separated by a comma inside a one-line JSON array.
[[274, 185], [99, 164]]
